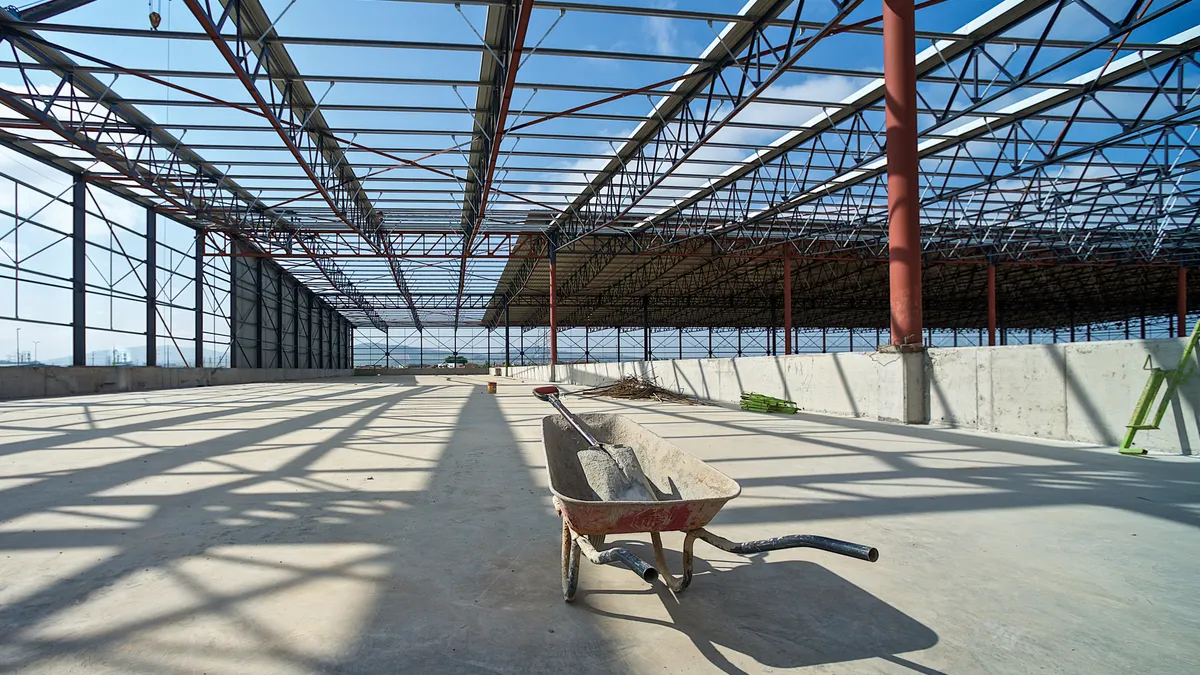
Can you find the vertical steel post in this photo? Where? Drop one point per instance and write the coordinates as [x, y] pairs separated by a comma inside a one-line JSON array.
[[824, 335], [648, 353], [739, 345], [258, 311], [320, 360], [991, 304], [421, 348], [772, 335], [151, 289], [280, 282], [681, 343], [618, 344], [296, 326], [710, 352], [308, 357], [507, 342], [198, 287], [851, 332], [787, 300], [551, 247], [234, 360], [1181, 303], [904, 225], [79, 273]]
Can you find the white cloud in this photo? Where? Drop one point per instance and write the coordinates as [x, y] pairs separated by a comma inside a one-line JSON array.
[[662, 31]]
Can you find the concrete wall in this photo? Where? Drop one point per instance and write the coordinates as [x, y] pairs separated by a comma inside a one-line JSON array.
[[462, 370], [1083, 391], [42, 382], [858, 384]]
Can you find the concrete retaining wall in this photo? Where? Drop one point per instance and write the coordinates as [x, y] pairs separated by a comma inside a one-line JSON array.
[[853, 384], [463, 370], [1083, 391], [42, 382]]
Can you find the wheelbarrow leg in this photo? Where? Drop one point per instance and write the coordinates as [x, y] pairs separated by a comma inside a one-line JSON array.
[[570, 563], [664, 572]]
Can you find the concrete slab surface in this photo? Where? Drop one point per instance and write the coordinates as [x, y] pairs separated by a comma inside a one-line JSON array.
[[403, 524]]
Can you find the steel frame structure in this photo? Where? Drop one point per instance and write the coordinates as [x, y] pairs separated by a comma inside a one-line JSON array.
[[1056, 142]]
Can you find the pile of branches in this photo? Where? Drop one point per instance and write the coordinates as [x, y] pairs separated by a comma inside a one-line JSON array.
[[637, 389]]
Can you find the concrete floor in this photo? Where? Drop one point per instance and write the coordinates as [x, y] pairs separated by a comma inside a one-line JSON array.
[[403, 525]]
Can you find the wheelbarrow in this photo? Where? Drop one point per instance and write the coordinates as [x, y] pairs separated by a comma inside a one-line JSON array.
[[687, 494]]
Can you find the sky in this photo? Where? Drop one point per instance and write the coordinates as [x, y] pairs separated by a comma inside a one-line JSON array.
[[114, 279]]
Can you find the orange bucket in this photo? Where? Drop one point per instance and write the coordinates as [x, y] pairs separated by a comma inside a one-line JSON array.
[[491, 387]]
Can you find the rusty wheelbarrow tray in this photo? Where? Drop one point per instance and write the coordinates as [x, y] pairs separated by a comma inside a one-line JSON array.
[[689, 494]]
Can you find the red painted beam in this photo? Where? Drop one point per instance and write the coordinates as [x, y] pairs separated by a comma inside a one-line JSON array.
[[904, 224], [510, 80]]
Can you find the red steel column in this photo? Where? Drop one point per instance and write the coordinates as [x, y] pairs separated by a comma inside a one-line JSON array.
[[1181, 303], [904, 224], [787, 300], [991, 304]]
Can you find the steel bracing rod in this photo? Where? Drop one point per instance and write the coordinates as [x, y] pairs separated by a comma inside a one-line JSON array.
[[81, 110], [50, 9], [985, 26], [781, 171], [638, 280], [865, 28], [505, 32], [1000, 18], [306, 134], [1108, 200], [207, 100], [506, 27], [682, 123], [517, 281]]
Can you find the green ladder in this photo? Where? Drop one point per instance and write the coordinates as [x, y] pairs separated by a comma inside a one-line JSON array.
[[1173, 379]]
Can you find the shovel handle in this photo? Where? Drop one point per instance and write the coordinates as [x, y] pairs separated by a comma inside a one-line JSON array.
[[549, 394]]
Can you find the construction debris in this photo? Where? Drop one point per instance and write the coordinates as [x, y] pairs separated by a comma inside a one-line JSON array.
[[766, 404], [637, 389]]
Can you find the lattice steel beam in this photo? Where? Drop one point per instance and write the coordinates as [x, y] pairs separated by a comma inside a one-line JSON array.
[[296, 117], [94, 119], [683, 122]]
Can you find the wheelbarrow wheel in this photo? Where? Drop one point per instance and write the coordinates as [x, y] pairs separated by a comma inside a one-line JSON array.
[[570, 563]]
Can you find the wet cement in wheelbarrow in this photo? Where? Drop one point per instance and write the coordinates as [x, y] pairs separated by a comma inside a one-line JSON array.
[[613, 472]]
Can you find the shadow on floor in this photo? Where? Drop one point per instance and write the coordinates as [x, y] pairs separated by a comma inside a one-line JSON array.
[[830, 620]]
